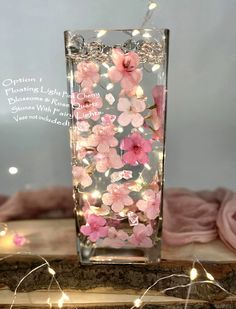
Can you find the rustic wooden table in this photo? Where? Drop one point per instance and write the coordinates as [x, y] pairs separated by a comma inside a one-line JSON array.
[[107, 286]]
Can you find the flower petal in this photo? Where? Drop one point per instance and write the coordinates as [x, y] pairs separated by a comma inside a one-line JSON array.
[[114, 75], [107, 198], [125, 118], [129, 158], [137, 120], [86, 181], [123, 105], [117, 206], [138, 105]]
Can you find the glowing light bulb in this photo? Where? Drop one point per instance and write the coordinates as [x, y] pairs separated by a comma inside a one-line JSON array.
[[139, 92], [104, 75], [135, 32], [193, 274], [147, 35], [101, 33], [96, 194], [120, 129], [85, 196], [139, 181], [137, 303], [13, 170], [85, 161], [155, 67], [51, 271], [3, 229], [109, 86], [105, 65], [152, 6], [210, 277], [148, 167]]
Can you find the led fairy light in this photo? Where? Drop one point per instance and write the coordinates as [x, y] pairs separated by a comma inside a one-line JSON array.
[[147, 35], [3, 229], [152, 5], [105, 65], [155, 67], [135, 32], [109, 86], [96, 194], [85, 161], [193, 274], [101, 33], [147, 166], [139, 92], [120, 129]]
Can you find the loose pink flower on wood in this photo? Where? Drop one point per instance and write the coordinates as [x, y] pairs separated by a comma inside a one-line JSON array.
[[19, 240], [150, 204], [107, 160], [125, 70], [117, 197], [141, 236], [131, 111], [136, 149], [81, 176], [103, 138], [95, 228], [87, 74], [86, 104]]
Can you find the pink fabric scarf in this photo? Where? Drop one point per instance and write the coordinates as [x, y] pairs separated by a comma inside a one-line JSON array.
[[199, 216]]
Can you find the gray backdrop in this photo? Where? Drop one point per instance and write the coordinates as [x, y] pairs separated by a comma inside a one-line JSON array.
[[201, 131]]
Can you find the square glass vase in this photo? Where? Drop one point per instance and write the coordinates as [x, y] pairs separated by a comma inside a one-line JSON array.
[[117, 89]]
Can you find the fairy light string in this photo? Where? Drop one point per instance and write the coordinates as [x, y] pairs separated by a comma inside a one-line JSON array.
[[63, 298], [193, 275]]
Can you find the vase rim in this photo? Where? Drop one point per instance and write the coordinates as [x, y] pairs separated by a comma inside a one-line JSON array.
[[119, 29]]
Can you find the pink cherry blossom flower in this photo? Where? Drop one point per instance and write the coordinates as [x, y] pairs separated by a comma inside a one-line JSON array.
[[155, 119], [19, 240], [158, 135], [107, 160], [150, 204], [136, 149], [117, 197], [95, 228], [87, 74], [125, 70], [82, 126], [108, 119], [141, 236], [81, 147], [86, 104], [115, 239], [158, 93], [81, 176], [103, 138], [125, 174], [131, 111]]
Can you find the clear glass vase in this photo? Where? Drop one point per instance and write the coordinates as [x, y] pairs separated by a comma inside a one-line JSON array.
[[117, 95]]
